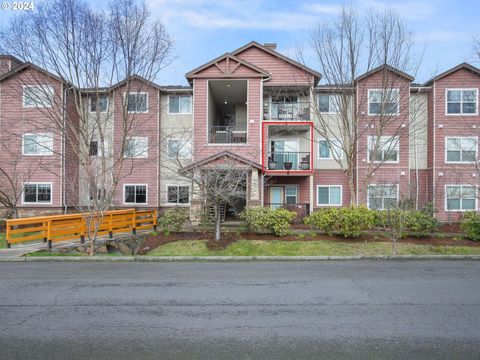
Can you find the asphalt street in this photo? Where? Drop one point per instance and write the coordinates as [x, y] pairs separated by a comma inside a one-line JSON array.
[[249, 310]]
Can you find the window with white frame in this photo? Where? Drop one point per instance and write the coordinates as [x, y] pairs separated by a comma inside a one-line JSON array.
[[136, 147], [460, 198], [383, 102], [329, 149], [137, 102], [383, 149], [382, 197], [461, 149], [180, 104], [461, 101], [37, 193], [178, 194], [178, 148], [291, 193], [329, 103], [37, 144], [329, 195], [99, 103], [38, 96], [99, 148], [135, 194]]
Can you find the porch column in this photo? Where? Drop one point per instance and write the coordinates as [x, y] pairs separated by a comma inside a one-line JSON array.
[[312, 194], [195, 204], [254, 199]]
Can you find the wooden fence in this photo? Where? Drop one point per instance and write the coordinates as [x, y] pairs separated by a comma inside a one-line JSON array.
[[57, 228]]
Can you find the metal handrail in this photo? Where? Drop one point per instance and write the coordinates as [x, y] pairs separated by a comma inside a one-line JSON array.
[[287, 111]]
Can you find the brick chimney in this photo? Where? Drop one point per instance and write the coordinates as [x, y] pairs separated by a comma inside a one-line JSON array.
[[271, 46]]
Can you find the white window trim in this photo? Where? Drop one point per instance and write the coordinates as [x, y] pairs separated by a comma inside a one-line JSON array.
[[185, 141], [331, 152], [41, 134], [330, 205], [461, 162], [392, 114], [135, 203], [460, 210], [385, 185], [100, 112], [177, 186], [138, 93], [285, 193], [37, 86], [145, 154], [461, 102], [179, 113], [106, 147], [328, 112], [397, 147], [37, 183]]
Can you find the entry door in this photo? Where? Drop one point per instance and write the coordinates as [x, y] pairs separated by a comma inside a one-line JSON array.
[[276, 197]]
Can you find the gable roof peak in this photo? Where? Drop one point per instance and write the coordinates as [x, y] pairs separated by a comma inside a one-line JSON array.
[[463, 65], [384, 67]]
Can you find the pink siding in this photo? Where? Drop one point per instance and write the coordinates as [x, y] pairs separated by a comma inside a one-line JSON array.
[[302, 182], [15, 120], [452, 125], [330, 177], [283, 73], [138, 170], [223, 68]]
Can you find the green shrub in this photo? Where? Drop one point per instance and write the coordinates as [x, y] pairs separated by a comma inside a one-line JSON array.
[[323, 220], [349, 222], [266, 220], [421, 222], [471, 225], [173, 220]]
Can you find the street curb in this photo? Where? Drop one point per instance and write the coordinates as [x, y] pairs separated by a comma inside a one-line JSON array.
[[228, 258]]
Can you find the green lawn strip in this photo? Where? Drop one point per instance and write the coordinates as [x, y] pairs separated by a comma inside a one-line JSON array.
[[306, 248], [3, 241]]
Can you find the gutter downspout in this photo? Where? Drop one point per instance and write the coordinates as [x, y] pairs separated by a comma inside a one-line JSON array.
[[262, 176], [63, 150]]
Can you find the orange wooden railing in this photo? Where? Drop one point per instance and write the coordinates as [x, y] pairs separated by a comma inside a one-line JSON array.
[[56, 228]]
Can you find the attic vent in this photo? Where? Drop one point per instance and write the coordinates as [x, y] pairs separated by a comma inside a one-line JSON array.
[[271, 46]]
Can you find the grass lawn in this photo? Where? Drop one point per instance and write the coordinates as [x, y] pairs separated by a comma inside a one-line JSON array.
[[306, 248]]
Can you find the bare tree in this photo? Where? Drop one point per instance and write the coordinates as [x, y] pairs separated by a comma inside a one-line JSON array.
[[374, 44], [103, 62]]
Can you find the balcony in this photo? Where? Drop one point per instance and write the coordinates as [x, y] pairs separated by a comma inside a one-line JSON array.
[[286, 111], [227, 135], [289, 161]]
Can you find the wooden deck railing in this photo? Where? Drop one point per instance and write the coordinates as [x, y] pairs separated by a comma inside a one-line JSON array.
[[56, 228]]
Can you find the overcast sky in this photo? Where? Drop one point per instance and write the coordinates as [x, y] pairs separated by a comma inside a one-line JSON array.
[[205, 29]]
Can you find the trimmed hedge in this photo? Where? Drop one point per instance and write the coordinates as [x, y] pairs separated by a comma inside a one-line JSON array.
[[266, 220], [172, 220], [471, 225]]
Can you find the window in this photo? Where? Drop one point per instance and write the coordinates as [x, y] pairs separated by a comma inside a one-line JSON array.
[[291, 194], [460, 197], [178, 148], [461, 101], [461, 149], [137, 102], [329, 195], [135, 194], [330, 149], [37, 96], [177, 194], [100, 194], [383, 149], [99, 103], [382, 197], [383, 102], [37, 144], [97, 148], [328, 103], [39, 193], [136, 147], [179, 104]]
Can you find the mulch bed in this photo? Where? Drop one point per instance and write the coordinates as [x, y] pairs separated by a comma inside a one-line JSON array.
[[228, 238]]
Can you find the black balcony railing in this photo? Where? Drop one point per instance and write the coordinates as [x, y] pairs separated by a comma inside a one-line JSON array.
[[284, 111], [289, 161], [227, 135]]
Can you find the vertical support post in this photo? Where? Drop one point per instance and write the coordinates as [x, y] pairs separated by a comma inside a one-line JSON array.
[[110, 226], [45, 227], [134, 222], [49, 234], [7, 234], [155, 215]]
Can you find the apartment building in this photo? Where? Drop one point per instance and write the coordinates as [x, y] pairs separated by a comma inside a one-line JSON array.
[[262, 110]]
